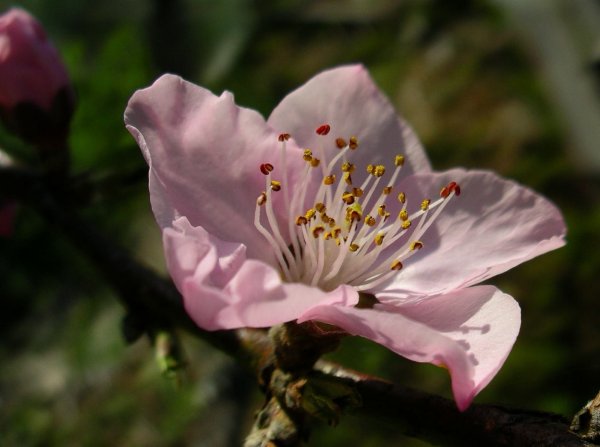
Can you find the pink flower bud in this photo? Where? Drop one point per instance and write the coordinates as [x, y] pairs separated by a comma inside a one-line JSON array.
[[30, 67], [36, 96]]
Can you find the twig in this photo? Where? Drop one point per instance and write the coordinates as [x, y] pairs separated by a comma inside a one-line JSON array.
[[415, 413]]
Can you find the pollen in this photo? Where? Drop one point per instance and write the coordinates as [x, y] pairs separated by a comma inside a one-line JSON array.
[[396, 265], [301, 220], [266, 168], [325, 231], [348, 167], [310, 213], [318, 231], [348, 198], [275, 185], [323, 129], [416, 245], [379, 170]]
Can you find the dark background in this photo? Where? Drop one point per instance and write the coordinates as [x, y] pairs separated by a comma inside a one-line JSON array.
[[508, 85]]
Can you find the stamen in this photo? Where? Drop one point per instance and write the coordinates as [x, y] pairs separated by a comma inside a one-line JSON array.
[[367, 249], [265, 168], [323, 129]]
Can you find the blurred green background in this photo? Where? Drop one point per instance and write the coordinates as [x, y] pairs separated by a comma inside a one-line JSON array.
[[499, 85]]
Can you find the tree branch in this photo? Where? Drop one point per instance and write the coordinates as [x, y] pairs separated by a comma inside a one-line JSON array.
[[157, 302]]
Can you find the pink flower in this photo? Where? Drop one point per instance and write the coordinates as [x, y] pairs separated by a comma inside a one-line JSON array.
[[258, 230], [30, 67]]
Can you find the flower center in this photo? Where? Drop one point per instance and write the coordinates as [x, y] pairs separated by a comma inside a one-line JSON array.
[[347, 235]]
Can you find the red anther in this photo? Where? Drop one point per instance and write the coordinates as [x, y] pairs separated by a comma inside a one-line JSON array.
[[284, 136], [445, 192], [323, 129], [454, 187], [265, 168]]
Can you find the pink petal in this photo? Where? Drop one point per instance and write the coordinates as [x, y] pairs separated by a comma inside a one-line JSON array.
[[347, 99], [494, 225], [469, 331], [224, 290], [204, 154]]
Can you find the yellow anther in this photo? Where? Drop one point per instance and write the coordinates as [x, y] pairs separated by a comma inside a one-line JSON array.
[[396, 265], [347, 178], [370, 168], [399, 160], [387, 190], [340, 143], [318, 231], [337, 241], [403, 215], [386, 215], [314, 162], [262, 199], [425, 204], [348, 198], [353, 247], [325, 218], [327, 235], [307, 155], [320, 207], [348, 167], [379, 238], [379, 171], [357, 192], [401, 197], [331, 222], [370, 220], [329, 180], [406, 224], [301, 220], [310, 213], [354, 212], [416, 245], [335, 231], [381, 210], [353, 142], [275, 185]]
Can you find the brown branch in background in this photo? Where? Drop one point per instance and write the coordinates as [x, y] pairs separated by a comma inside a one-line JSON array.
[[323, 392]]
